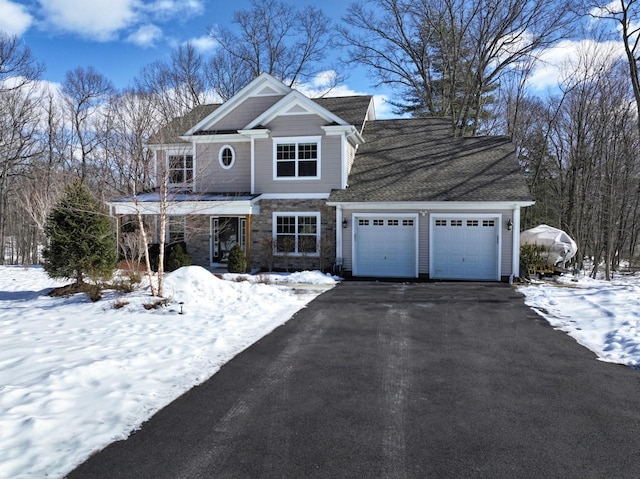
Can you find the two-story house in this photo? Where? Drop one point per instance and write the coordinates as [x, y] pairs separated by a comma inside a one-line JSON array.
[[311, 183]]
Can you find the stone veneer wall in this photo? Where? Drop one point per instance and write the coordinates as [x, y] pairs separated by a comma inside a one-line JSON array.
[[197, 238], [262, 237]]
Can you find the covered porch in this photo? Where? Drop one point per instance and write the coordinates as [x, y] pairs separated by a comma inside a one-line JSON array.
[[209, 225]]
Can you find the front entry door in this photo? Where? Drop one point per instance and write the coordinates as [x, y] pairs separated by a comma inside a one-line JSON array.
[[225, 233]]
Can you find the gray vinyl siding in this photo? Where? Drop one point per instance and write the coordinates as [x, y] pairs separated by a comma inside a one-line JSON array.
[[245, 113], [506, 258], [298, 126], [506, 264], [212, 178]]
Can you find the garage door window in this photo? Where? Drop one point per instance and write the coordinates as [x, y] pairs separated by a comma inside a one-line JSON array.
[[297, 233]]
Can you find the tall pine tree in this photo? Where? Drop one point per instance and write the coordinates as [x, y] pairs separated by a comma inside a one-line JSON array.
[[80, 237]]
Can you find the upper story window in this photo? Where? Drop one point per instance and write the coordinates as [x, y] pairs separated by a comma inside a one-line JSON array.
[[227, 157], [180, 170], [296, 158]]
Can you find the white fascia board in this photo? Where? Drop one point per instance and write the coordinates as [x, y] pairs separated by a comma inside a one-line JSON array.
[[227, 138], [259, 82], [248, 207], [293, 196], [292, 99], [432, 205], [261, 133]]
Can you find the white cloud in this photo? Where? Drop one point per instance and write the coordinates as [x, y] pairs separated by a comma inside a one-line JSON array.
[[556, 64], [99, 19], [15, 19], [106, 20], [173, 8], [203, 44], [145, 36]]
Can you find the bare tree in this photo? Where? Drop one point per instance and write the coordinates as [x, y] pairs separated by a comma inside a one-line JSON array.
[[86, 92], [274, 37], [18, 68], [177, 85], [625, 14], [579, 153], [446, 57], [19, 142], [134, 120]]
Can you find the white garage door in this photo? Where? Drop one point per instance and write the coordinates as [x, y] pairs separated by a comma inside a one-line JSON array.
[[385, 246], [464, 248]]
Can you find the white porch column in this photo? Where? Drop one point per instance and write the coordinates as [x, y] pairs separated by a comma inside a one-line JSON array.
[[515, 267]]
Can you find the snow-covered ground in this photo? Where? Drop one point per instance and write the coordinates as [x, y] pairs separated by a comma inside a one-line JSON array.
[[76, 375], [602, 316]]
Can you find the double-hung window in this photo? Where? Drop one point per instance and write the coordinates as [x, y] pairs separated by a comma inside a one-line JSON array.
[[296, 233], [296, 158], [181, 170]]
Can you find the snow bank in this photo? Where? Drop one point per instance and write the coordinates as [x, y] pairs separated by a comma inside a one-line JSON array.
[[76, 375], [602, 316]]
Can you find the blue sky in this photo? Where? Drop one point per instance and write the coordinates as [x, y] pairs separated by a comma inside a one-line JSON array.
[[119, 37]]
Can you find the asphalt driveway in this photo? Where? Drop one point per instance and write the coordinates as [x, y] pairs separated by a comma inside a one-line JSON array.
[[388, 380]]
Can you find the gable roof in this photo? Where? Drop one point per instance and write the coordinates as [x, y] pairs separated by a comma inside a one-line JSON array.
[[352, 109], [171, 133], [296, 102], [419, 160], [263, 85]]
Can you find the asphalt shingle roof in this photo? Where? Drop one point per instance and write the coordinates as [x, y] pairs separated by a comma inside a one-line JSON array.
[[170, 133], [420, 160], [352, 109]]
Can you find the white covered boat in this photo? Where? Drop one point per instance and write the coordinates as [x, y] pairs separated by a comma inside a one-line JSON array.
[[560, 247]]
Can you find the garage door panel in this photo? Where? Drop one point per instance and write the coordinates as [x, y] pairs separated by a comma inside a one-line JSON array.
[[385, 246], [465, 248]]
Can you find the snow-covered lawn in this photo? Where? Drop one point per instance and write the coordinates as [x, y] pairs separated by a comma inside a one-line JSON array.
[[76, 375], [602, 316]]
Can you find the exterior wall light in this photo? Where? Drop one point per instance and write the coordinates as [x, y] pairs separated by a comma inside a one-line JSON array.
[[509, 224], [344, 223]]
